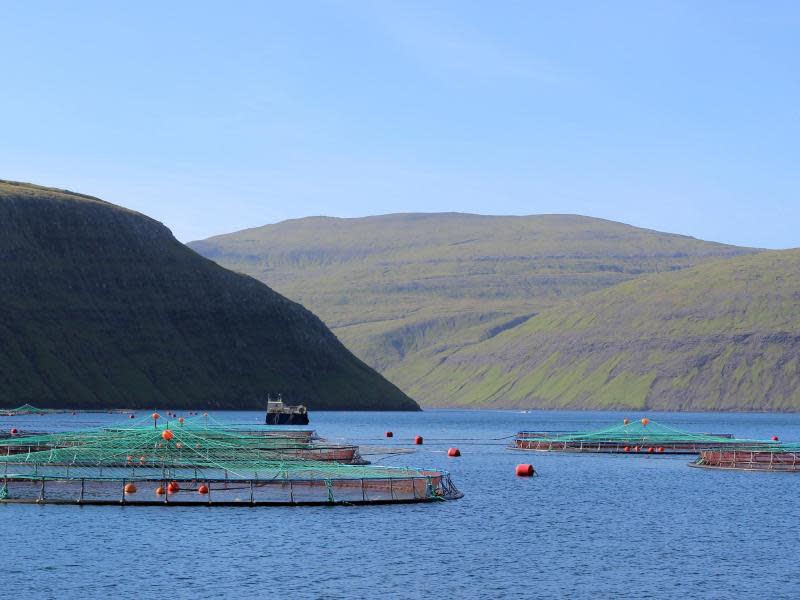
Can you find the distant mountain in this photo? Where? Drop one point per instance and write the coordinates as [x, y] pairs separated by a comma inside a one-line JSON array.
[[724, 335], [406, 291], [101, 307]]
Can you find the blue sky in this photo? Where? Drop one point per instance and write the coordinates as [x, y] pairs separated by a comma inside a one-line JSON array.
[[213, 117]]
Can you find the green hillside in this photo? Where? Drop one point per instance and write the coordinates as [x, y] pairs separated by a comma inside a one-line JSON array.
[[724, 335], [101, 307], [405, 291]]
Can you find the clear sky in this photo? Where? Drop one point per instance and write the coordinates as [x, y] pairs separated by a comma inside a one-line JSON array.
[[213, 117]]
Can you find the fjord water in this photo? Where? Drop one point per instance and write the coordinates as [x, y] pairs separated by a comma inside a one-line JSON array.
[[589, 526]]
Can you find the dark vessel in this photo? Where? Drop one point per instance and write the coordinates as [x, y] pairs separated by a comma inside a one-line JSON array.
[[279, 413]]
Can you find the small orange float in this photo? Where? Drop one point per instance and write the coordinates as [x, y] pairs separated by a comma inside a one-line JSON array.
[[130, 488], [167, 434], [525, 471], [454, 452]]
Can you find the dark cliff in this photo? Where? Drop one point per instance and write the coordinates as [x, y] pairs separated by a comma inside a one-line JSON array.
[[102, 307]]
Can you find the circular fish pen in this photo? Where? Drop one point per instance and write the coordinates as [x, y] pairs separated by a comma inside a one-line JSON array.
[[784, 458], [198, 465], [631, 437], [298, 444]]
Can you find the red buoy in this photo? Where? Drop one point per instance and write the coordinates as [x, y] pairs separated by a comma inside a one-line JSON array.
[[389, 434], [130, 489], [661, 448], [650, 450], [625, 421], [173, 487], [454, 452], [774, 438], [525, 471], [180, 420], [155, 416], [167, 435], [418, 440], [14, 431], [160, 491], [645, 421], [626, 449], [203, 489]]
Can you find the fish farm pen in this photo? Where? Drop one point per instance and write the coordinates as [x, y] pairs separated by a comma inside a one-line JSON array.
[[27, 409], [783, 458], [631, 437], [194, 463]]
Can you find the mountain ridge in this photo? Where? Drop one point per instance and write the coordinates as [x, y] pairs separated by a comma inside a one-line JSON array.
[[103, 307], [405, 291]]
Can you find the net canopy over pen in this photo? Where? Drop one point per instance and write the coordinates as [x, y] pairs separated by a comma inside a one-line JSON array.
[[25, 409], [291, 443], [634, 437], [195, 463]]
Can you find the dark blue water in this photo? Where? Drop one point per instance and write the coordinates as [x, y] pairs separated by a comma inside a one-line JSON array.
[[590, 526]]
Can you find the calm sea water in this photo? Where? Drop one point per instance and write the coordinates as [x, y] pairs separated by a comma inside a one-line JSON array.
[[590, 526]]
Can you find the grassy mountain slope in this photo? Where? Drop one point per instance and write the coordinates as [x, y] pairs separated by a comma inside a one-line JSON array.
[[724, 335], [405, 291], [100, 307]]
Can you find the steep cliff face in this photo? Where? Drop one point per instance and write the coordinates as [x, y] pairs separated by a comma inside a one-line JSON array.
[[724, 335], [100, 307]]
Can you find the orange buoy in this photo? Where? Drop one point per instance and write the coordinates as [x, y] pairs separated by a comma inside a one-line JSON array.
[[418, 440], [130, 489], [661, 448], [626, 449], [625, 421], [650, 450], [14, 431], [160, 491], [180, 420], [173, 487], [389, 434], [454, 452], [525, 471], [774, 438], [155, 416], [645, 421], [203, 489], [167, 434]]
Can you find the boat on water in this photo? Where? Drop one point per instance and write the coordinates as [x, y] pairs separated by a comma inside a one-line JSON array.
[[279, 413]]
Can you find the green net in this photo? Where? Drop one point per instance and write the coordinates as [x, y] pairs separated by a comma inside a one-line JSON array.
[[199, 455], [629, 437]]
